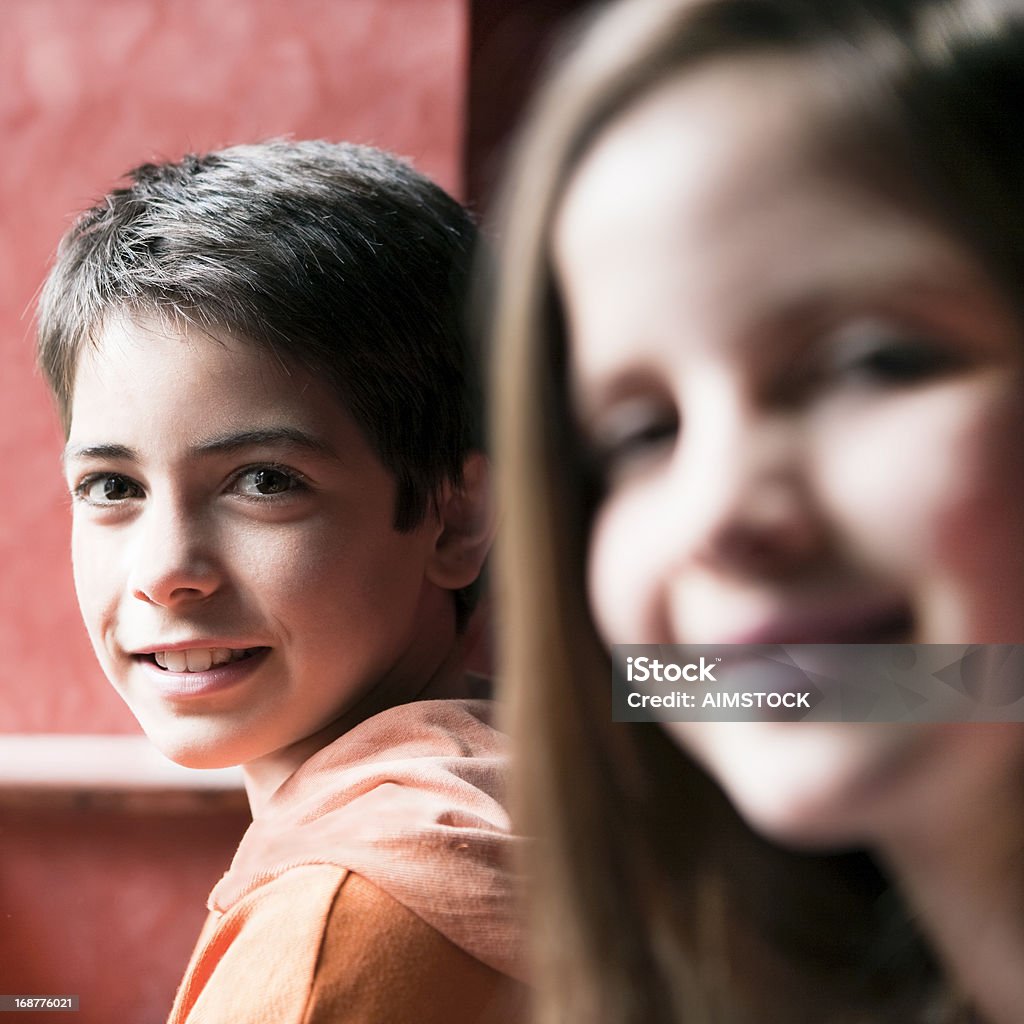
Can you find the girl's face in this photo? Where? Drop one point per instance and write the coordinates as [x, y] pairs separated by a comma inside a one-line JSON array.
[[807, 405]]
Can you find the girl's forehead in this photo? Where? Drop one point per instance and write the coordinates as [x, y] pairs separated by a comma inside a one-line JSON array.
[[725, 125], [717, 204], [705, 170]]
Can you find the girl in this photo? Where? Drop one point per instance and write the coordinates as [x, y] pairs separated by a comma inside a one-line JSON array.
[[760, 294]]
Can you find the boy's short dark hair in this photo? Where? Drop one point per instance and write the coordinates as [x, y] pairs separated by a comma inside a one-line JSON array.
[[339, 258]]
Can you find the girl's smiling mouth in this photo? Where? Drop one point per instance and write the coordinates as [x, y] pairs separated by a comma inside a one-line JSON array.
[[877, 624]]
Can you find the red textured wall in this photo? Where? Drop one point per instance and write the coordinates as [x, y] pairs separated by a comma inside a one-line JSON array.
[[88, 89], [102, 904]]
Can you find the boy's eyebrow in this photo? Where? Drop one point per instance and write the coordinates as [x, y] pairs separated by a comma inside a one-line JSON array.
[[277, 437], [98, 451]]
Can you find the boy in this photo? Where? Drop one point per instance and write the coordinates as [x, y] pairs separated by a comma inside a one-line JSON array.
[[279, 516]]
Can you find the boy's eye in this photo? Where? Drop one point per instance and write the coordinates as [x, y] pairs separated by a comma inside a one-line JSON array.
[[266, 481], [107, 489]]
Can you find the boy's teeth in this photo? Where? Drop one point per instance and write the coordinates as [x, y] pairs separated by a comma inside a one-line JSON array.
[[196, 659], [199, 660], [175, 661]]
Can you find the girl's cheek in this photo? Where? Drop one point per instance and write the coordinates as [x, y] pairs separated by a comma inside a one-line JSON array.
[[626, 571], [604, 588], [981, 534], [929, 484]]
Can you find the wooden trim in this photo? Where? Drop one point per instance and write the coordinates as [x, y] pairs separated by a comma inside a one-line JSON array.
[[42, 770]]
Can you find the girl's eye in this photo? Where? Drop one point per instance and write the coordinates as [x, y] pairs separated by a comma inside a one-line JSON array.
[[107, 489], [632, 435], [890, 361], [901, 363], [266, 482]]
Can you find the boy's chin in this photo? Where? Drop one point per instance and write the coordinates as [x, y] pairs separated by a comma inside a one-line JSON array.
[[195, 749]]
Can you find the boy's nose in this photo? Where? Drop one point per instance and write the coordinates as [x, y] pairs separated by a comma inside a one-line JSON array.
[[749, 500], [171, 561]]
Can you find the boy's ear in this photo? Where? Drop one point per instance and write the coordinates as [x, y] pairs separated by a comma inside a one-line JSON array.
[[467, 527]]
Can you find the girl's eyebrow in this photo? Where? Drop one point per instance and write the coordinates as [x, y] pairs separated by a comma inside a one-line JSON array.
[[276, 437]]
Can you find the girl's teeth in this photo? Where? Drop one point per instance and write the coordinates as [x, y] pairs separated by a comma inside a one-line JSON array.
[[197, 659]]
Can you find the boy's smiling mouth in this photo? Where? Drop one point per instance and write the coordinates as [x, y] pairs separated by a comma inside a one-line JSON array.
[[200, 659], [185, 673], [195, 659]]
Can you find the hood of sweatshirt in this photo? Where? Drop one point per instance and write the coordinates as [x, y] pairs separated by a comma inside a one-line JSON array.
[[412, 799]]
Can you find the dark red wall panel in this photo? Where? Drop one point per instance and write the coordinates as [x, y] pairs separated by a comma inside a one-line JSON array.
[[105, 905]]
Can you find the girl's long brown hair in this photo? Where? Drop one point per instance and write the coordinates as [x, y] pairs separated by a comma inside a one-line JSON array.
[[651, 901]]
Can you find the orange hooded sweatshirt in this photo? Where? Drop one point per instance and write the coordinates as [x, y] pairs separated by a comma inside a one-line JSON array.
[[375, 887]]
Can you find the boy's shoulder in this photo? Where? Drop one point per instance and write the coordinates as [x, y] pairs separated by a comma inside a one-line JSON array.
[[412, 800], [320, 943]]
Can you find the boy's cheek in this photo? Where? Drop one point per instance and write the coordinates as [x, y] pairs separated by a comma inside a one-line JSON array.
[[95, 585]]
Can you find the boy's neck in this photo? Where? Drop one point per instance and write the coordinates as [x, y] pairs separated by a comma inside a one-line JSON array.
[[443, 677]]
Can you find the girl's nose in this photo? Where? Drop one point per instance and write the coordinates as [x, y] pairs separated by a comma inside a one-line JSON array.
[[749, 499]]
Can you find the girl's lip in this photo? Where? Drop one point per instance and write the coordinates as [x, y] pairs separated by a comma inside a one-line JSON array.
[[889, 623], [186, 685]]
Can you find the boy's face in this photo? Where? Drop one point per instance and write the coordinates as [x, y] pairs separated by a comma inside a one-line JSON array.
[[233, 547]]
